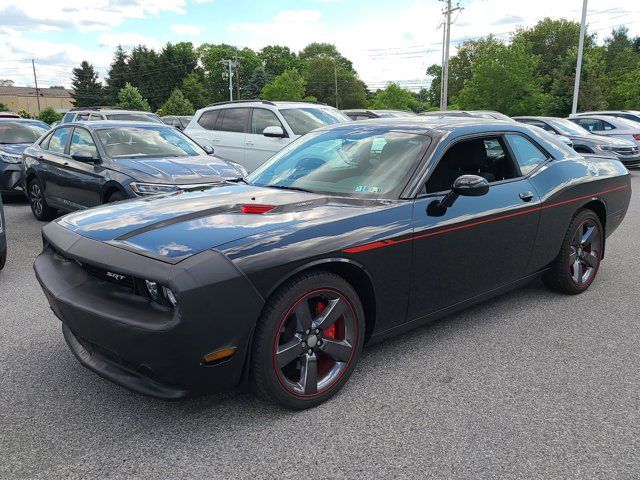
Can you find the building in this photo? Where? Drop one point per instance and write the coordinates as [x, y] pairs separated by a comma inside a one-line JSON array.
[[25, 98]]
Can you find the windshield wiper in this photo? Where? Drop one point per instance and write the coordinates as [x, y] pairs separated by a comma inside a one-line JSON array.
[[238, 180], [288, 187]]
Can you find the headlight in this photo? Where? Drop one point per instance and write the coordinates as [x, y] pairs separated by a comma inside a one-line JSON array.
[[10, 158], [161, 294], [152, 188], [606, 147]]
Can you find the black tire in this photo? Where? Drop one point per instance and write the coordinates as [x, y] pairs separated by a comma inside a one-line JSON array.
[[576, 266], [3, 259], [39, 207], [342, 338], [117, 196]]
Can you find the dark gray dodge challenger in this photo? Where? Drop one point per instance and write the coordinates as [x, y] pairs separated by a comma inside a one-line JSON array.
[[352, 234]]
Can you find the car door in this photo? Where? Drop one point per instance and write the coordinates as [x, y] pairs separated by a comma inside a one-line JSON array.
[[258, 147], [232, 126], [478, 244], [83, 181], [53, 157]]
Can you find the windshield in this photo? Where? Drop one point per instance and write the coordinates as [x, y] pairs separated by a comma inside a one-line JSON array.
[[135, 117], [567, 127], [367, 163], [144, 142], [15, 132], [303, 120]]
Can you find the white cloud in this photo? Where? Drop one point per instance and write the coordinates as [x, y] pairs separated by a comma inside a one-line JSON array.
[[128, 40], [183, 29]]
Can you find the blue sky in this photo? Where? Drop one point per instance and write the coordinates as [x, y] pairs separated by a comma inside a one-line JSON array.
[[387, 41]]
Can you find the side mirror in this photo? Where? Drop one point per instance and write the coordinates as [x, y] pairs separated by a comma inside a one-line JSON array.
[[466, 186], [273, 132], [84, 156], [208, 149]]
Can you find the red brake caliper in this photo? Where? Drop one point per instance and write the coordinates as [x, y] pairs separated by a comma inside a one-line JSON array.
[[331, 331]]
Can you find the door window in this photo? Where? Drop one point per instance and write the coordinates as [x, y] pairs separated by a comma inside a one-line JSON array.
[[262, 119], [208, 119], [235, 119], [487, 157], [589, 124], [607, 126], [58, 140], [527, 154], [81, 141], [82, 117]]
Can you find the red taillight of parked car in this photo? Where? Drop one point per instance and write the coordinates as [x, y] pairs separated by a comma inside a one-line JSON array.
[[258, 209], [636, 136]]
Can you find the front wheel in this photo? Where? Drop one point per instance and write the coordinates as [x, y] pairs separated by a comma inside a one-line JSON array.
[[39, 207], [576, 266], [308, 340]]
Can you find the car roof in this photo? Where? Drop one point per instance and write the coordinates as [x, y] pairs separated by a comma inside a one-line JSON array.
[[428, 125], [595, 112], [115, 110], [99, 124]]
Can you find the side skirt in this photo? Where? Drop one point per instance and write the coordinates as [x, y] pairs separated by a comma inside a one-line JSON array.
[[437, 315]]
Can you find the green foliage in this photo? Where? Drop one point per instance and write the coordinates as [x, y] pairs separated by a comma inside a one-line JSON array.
[[321, 73], [290, 85], [49, 115], [503, 78], [24, 114], [118, 76], [259, 78], [393, 97], [87, 92], [130, 98], [277, 60], [6, 82], [177, 104], [194, 90], [4, 107]]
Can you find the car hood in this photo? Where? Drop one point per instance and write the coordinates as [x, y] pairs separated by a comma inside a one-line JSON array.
[[14, 148], [178, 225], [602, 140], [177, 170]]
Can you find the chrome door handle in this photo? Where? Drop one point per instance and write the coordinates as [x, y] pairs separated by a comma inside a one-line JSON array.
[[526, 196], [249, 143]]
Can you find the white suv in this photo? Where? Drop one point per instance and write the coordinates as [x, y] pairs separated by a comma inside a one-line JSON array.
[[250, 131]]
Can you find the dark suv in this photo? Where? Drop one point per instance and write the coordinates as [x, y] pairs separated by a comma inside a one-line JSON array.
[[84, 164]]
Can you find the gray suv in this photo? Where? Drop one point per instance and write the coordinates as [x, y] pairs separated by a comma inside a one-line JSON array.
[[109, 113]]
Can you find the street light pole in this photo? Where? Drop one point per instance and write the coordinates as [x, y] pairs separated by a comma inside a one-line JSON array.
[[35, 79], [335, 76], [576, 85]]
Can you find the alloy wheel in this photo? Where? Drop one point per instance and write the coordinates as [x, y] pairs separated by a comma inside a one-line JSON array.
[[585, 252], [37, 200], [315, 343]]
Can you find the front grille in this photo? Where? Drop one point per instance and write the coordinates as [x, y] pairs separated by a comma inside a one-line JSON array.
[[117, 278], [627, 151]]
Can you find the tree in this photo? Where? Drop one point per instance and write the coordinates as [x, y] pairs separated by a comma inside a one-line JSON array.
[[177, 104], [5, 82], [57, 87], [325, 50], [175, 63], [434, 94], [504, 79], [194, 90], [87, 92], [217, 73], [145, 73], [259, 78], [117, 76], [4, 107], [321, 73], [130, 98], [290, 85], [278, 59], [49, 115], [393, 97]]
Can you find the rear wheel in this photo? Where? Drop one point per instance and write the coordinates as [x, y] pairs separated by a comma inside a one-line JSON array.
[[308, 340], [576, 266], [38, 203]]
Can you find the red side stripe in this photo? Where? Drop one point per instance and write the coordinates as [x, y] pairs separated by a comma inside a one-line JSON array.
[[386, 243]]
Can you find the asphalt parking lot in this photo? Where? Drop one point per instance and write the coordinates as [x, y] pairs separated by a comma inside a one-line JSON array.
[[531, 385]]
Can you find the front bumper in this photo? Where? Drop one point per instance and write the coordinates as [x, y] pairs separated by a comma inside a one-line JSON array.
[[10, 177], [135, 342]]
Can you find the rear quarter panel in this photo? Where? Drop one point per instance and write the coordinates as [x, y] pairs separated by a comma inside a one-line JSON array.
[[566, 186]]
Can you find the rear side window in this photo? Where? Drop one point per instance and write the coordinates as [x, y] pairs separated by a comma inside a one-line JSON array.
[[528, 155], [82, 116], [68, 117], [591, 125], [208, 119], [58, 140], [262, 119], [235, 119], [607, 126]]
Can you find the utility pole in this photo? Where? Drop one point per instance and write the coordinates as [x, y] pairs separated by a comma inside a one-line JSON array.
[[576, 85], [229, 64], [35, 79], [236, 65], [335, 76], [445, 63]]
